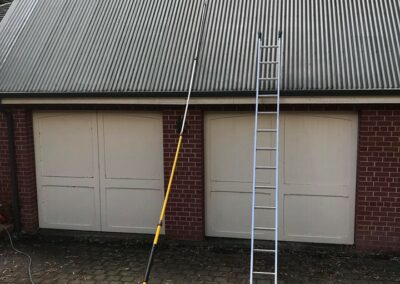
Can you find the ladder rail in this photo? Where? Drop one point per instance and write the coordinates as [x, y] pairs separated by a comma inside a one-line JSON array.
[[253, 198], [277, 156], [256, 150]]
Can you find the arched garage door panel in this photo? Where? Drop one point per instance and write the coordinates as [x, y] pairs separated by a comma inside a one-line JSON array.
[[317, 176], [99, 171], [318, 172], [67, 170], [229, 175], [131, 171]]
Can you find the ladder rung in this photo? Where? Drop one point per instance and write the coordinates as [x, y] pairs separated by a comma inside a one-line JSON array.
[[268, 62], [269, 46], [264, 250], [265, 168], [268, 96], [266, 130], [264, 229], [266, 149], [263, 273], [266, 186], [267, 112], [268, 78], [265, 207]]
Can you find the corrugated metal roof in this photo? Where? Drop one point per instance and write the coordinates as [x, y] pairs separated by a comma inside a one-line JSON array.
[[85, 46], [3, 10]]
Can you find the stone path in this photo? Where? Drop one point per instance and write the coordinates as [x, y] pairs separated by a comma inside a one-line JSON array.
[[71, 260]]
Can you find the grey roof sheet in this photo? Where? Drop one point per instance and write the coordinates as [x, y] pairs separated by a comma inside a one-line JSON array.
[[86, 46]]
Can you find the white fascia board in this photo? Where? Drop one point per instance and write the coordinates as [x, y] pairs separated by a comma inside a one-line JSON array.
[[309, 100]]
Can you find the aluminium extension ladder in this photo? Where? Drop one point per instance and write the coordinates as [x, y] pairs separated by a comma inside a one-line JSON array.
[[268, 74]]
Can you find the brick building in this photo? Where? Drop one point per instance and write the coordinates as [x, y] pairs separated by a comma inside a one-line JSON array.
[[96, 89]]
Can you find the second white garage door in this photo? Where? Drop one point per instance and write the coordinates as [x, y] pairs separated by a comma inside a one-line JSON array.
[[99, 171], [317, 176]]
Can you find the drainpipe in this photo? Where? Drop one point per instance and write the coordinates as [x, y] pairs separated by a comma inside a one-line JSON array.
[[13, 169]]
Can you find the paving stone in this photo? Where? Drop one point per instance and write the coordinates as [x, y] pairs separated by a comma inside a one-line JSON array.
[[127, 279], [113, 278], [100, 277]]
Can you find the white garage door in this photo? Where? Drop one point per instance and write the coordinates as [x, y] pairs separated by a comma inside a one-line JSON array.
[[99, 171], [317, 176]]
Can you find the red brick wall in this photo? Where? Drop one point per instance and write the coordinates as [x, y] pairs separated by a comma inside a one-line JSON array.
[[185, 211], [5, 185], [185, 214], [378, 192], [378, 189], [25, 167]]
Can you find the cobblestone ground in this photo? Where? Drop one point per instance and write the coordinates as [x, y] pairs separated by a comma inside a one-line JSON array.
[[88, 260]]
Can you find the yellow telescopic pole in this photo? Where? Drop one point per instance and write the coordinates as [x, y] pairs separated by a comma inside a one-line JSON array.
[[178, 147], [162, 215]]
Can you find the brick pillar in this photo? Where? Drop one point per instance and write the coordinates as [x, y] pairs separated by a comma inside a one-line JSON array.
[[5, 179], [378, 192], [23, 127], [185, 212]]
